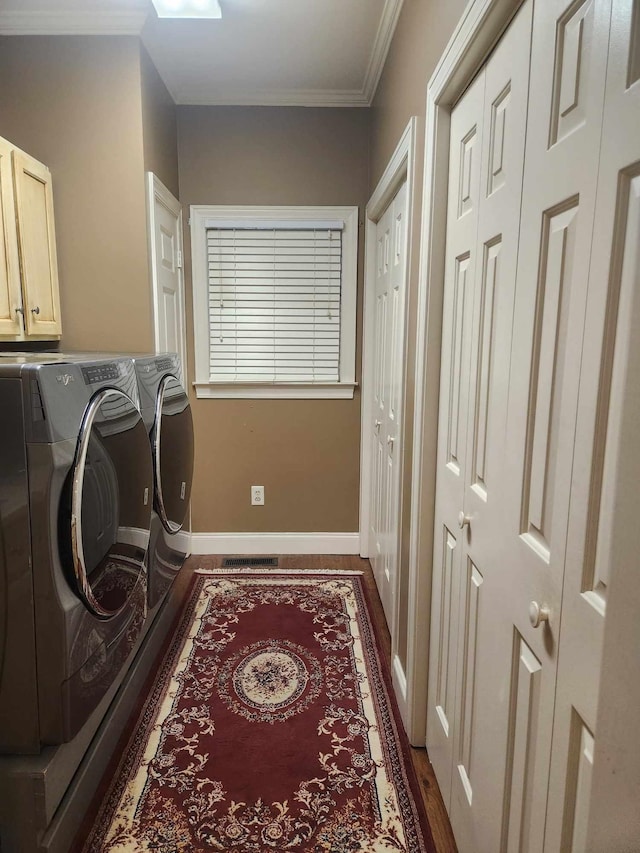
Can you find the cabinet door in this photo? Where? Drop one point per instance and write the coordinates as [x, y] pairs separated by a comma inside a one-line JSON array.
[[37, 243], [10, 297]]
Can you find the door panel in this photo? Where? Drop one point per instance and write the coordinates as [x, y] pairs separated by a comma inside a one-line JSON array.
[[547, 364], [568, 58], [37, 242], [387, 403], [376, 532], [606, 354], [106, 512], [172, 440], [463, 203], [10, 295], [524, 713], [165, 225], [492, 721], [534, 384], [445, 601]]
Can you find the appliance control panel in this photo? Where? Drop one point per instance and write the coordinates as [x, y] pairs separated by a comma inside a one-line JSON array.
[[106, 372], [163, 364]]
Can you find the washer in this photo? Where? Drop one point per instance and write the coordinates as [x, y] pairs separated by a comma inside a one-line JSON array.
[[76, 486], [167, 415]]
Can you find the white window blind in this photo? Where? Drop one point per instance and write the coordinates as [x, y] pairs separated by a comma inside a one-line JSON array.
[[274, 302]]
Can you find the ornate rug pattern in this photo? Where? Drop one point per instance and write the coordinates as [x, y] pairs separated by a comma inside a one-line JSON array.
[[269, 728]]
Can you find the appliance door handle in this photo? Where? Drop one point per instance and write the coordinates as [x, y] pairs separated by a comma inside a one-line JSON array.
[[170, 525], [77, 549]]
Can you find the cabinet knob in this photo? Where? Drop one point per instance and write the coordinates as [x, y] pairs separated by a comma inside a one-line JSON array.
[[377, 425], [390, 441], [35, 310], [463, 520], [20, 311], [538, 614]]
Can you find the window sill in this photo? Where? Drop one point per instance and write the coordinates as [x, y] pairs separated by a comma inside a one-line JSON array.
[[288, 391]]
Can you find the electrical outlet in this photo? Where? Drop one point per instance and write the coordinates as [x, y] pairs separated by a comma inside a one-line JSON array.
[[257, 495]]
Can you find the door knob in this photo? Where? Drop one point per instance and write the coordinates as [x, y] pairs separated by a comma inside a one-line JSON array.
[[35, 310], [538, 614], [463, 520], [19, 310]]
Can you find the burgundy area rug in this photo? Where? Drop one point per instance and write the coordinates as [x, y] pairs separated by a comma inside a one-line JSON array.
[[270, 727]]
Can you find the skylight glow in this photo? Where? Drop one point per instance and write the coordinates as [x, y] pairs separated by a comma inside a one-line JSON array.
[[188, 8]]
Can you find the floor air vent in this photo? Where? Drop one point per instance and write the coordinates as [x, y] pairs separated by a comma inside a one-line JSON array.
[[249, 561]]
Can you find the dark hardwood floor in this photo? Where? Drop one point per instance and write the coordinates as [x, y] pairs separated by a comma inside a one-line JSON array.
[[436, 812]]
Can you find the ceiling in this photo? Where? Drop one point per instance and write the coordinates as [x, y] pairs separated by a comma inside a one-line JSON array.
[[273, 52]]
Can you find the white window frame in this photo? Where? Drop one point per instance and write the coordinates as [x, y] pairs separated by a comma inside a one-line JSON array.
[[206, 216]]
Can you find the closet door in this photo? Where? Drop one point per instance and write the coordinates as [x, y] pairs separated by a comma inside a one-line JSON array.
[[485, 623], [460, 272], [568, 61], [509, 387], [607, 361], [391, 250], [471, 648]]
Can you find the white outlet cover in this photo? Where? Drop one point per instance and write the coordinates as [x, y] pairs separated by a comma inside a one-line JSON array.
[[257, 495]]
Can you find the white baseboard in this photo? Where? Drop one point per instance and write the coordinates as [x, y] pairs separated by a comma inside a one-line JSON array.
[[136, 536], [399, 681], [275, 543], [182, 541]]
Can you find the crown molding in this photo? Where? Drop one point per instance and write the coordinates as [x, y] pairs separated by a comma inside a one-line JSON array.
[[130, 22], [78, 22], [276, 98], [386, 29]]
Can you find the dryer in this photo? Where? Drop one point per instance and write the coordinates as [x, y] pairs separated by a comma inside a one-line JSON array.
[[165, 409], [76, 492]]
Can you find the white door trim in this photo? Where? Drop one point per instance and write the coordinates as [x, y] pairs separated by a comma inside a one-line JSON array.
[[156, 191], [482, 23], [401, 166]]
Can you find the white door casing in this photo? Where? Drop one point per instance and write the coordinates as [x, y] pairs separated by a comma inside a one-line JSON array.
[[164, 214]]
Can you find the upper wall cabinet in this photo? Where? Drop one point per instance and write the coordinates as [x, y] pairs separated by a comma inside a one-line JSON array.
[[29, 292]]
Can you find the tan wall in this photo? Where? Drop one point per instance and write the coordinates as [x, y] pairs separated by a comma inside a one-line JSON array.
[[159, 126], [304, 452], [74, 102], [422, 33]]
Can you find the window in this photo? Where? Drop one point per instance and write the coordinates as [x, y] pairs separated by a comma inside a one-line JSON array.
[[274, 295]]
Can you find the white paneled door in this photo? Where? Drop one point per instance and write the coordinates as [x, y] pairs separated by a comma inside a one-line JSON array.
[[391, 250], [165, 246], [540, 276], [473, 611], [569, 55], [609, 361], [460, 273]]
